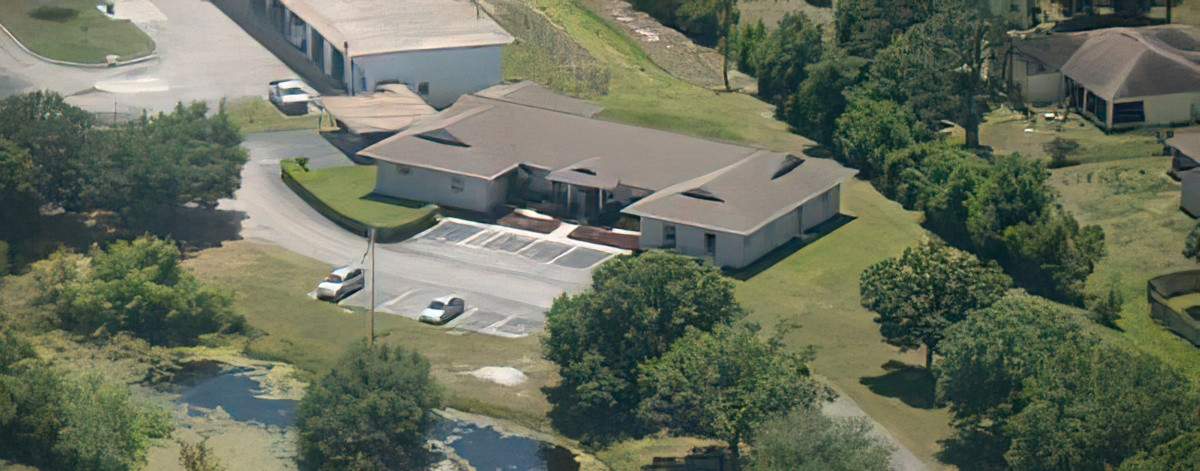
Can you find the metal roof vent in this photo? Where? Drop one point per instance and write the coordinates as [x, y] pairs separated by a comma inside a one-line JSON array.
[[789, 163], [702, 194]]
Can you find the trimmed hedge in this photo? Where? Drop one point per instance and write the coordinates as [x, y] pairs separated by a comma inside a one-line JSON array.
[[290, 168]]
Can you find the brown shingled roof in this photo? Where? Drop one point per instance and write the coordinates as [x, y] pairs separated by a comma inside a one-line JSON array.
[[1137, 62]]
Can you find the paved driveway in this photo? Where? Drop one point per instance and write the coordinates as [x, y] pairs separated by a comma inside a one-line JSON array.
[[203, 55], [509, 284]]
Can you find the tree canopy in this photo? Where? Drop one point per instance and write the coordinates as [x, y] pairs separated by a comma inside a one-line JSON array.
[[785, 54], [135, 286], [807, 440], [926, 290], [863, 27], [370, 412], [813, 109], [636, 309], [1096, 408], [725, 384], [987, 358], [870, 129]]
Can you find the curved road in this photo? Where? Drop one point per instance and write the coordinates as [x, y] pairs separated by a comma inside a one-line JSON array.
[[500, 283]]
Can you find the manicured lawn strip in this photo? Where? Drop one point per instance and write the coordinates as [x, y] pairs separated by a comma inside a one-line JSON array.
[[817, 285], [269, 286], [87, 38], [348, 191], [1138, 207], [255, 115]]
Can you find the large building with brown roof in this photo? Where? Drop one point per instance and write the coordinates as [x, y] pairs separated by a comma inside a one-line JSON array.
[[1118, 77], [703, 198]]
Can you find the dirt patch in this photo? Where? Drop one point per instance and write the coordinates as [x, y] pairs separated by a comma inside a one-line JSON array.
[[599, 235], [668, 48]]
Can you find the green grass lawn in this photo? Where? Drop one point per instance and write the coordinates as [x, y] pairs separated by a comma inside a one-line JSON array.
[[1004, 131], [348, 190], [254, 115], [269, 286], [87, 37], [816, 286], [1138, 207]]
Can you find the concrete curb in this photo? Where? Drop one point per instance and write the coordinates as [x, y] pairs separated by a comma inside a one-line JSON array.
[[152, 55]]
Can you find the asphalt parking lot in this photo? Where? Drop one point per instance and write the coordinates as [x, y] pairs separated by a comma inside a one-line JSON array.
[[488, 311]]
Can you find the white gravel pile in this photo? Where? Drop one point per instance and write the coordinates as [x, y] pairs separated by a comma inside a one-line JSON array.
[[502, 375]]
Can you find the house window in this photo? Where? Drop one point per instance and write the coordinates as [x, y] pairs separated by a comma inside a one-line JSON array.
[[1132, 112], [669, 236], [403, 170], [456, 184], [423, 88], [710, 244]]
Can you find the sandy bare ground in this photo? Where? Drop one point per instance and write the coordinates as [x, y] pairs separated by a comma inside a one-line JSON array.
[[668, 48]]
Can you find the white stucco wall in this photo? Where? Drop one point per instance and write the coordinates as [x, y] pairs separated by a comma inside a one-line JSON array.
[[1037, 87], [736, 250], [1170, 109], [436, 187], [450, 73]]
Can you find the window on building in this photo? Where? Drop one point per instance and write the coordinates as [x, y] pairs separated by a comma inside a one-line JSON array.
[[423, 88], [456, 184], [403, 170], [1132, 112], [710, 244], [668, 236]]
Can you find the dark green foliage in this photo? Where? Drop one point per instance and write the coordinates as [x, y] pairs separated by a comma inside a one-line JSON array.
[[987, 358], [813, 110], [1095, 408], [785, 53], [1004, 210], [13, 349], [725, 384], [1013, 191], [1180, 454], [1060, 150], [807, 440], [1106, 307], [59, 422], [635, 310], [55, 134], [1053, 255], [155, 165], [1191, 246], [750, 39], [137, 287], [866, 26], [926, 290], [370, 412], [938, 68], [871, 129], [18, 190]]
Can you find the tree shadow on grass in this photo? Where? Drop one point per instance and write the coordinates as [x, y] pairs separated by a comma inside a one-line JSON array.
[[913, 385], [973, 451]]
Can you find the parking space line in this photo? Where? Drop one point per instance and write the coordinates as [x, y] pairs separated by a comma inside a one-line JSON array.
[[476, 236], [564, 254], [397, 298], [459, 320]]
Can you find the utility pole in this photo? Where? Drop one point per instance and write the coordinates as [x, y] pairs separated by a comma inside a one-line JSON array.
[[371, 316]]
